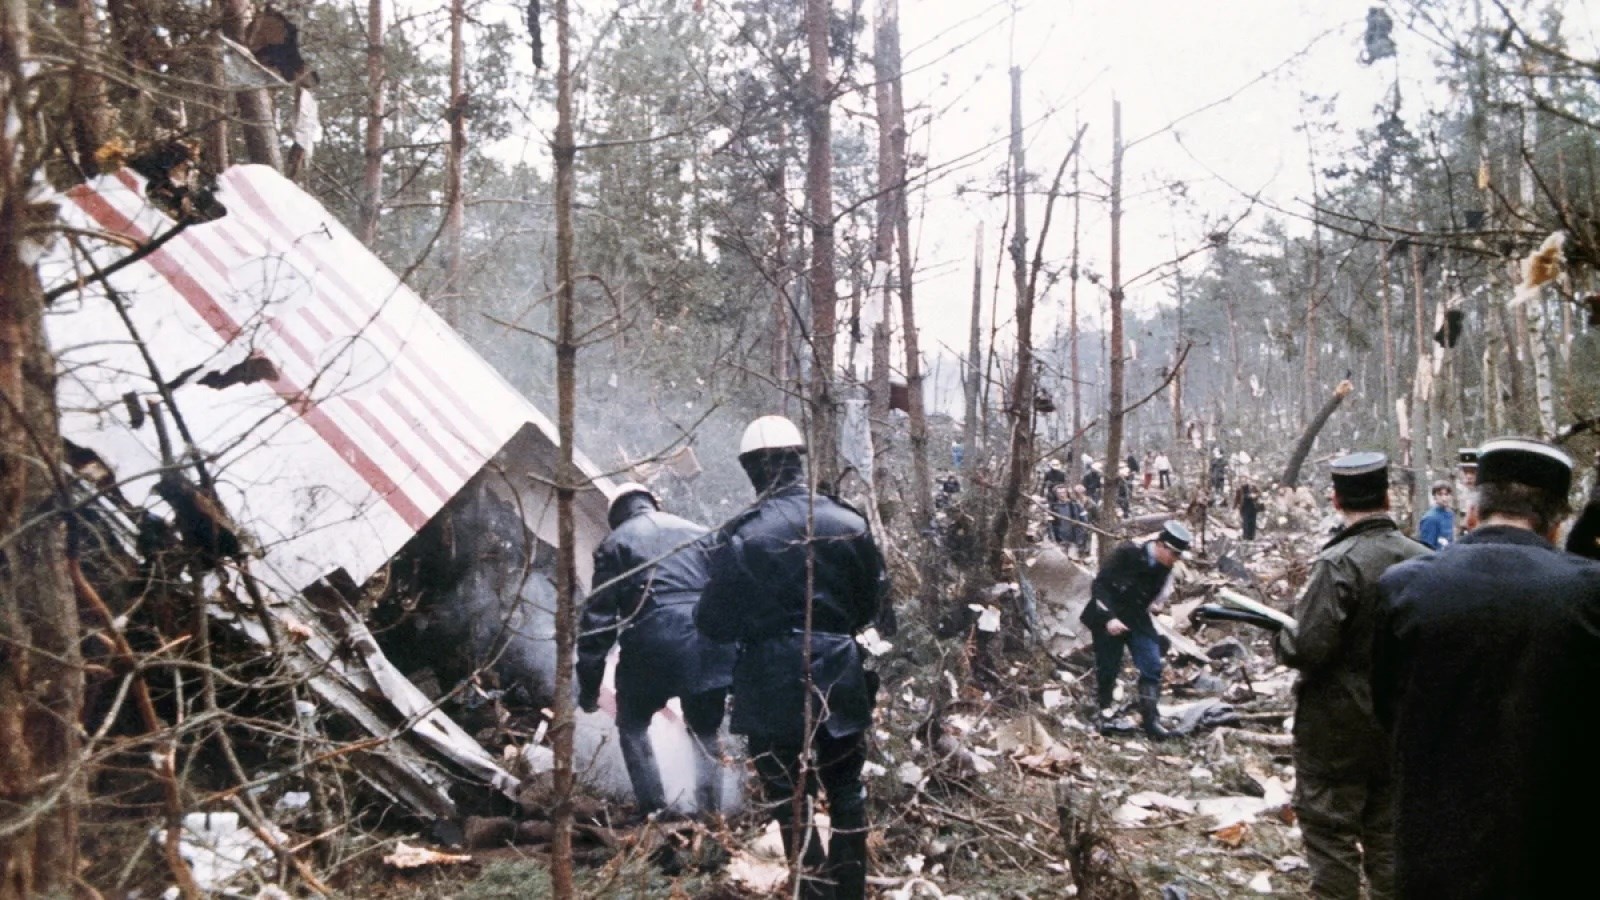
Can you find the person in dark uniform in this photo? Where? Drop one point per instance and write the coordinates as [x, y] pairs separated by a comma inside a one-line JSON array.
[[1484, 668], [1219, 474], [1053, 475], [1344, 797], [1249, 509], [793, 580], [1133, 578], [649, 573], [1093, 482], [1584, 536]]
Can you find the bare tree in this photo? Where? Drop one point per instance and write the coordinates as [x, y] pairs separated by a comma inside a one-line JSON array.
[[41, 676], [1107, 514], [969, 427], [888, 54], [455, 202], [563, 148], [372, 143], [1008, 519], [819, 209]]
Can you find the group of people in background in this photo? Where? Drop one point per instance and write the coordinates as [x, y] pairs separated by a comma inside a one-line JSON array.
[[1446, 690], [1443, 706], [1445, 695]]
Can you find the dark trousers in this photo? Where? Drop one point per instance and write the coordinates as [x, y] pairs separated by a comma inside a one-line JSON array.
[[702, 712], [1145, 650], [841, 872], [1348, 828], [1166, 478]]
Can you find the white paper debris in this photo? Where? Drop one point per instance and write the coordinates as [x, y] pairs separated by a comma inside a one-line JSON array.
[[873, 643], [988, 617], [406, 856]]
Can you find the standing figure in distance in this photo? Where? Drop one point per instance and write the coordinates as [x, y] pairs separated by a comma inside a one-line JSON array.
[[651, 570], [1092, 482], [1438, 525], [1249, 509], [793, 580], [1132, 580], [1163, 470], [1219, 474], [1484, 668], [1344, 797], [1053, 475]]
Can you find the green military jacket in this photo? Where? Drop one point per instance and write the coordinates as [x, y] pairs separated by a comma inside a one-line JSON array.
[[1336, 735]]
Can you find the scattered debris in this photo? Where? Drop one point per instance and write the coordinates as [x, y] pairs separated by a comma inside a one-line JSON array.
[[406, 856]]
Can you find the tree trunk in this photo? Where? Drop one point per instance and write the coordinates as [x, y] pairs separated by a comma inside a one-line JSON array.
[[450, 293], [921, 478], [1386, 303], [1314, 292], [1008, 519], [92, 116], [1302, 449], [824, 446], [1072, 315], [372, 145], [1107, 514], [969, 427], [887, 219], [1422, 385], [255, 106], [779, 184], [564, 152], [41, 678]]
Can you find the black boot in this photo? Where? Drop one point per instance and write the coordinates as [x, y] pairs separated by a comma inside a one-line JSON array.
[[648, 794], [1150, 713], [847, 864]]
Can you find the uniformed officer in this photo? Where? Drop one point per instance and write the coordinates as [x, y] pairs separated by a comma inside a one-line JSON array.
[[793, 579], [1484, 670], [1133, 578], [1343, 793], [650, 571]]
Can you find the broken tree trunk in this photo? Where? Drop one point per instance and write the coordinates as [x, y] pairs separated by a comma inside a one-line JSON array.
[[1291, 472]]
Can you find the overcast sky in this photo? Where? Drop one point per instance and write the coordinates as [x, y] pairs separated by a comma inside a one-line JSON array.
[[1211, 98]]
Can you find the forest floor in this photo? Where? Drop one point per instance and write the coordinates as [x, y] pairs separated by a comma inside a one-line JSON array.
[[986, 779]]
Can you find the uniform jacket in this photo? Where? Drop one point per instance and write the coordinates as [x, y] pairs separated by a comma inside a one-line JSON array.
[[1485, 667], [1336, 735], [1126, 585], [650, 612], [1438, 524], [757, 597], [1066, 521]]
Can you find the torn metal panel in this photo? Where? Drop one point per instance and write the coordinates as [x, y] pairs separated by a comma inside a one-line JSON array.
[[374, 412], [336, 412]]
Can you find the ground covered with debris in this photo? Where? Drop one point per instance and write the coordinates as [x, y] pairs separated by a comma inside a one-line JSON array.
[[986, 777]]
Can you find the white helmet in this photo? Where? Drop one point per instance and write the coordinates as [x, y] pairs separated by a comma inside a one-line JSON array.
[[771, 433], [622, 492]]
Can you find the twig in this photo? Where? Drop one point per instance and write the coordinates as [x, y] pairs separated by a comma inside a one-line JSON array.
[[165, 774]]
